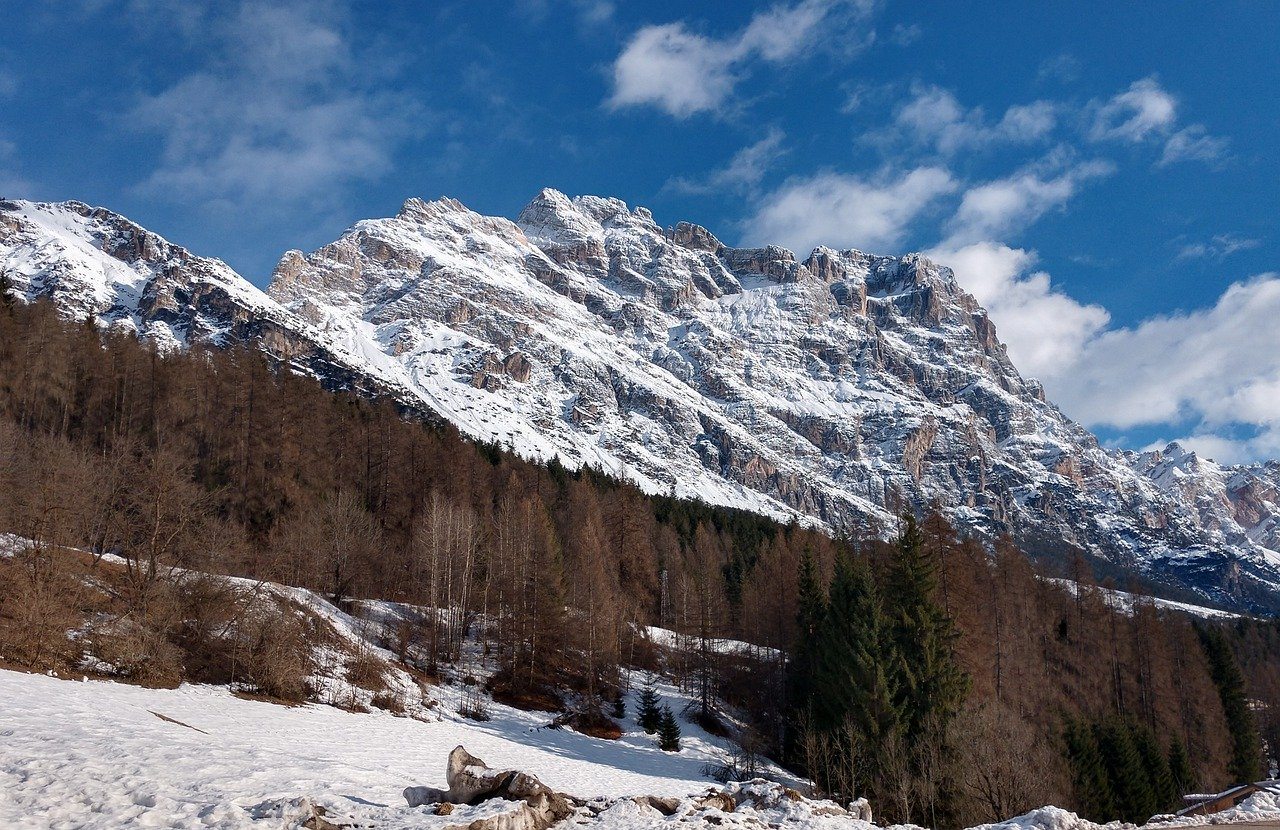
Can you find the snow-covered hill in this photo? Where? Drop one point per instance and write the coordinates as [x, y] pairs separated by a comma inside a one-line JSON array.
[[838, 389]]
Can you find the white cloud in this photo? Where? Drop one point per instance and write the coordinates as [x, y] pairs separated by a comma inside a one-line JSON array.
[[1220, 246], [684, 73], [284, 111], [1043, 328], [1147, 112], [744, 171], [845, 211], [1193, 143], [933, 116], [1005, 206], [1135, 114], [1216, 367]]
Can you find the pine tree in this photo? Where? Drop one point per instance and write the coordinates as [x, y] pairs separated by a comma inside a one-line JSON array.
[[1134, 798], [1089, 775], [1156, 765], [668, 731], [648, 713], [1180, 774], [619, 706], [811, 614], [856, 666], [6, 290], [1246, 760], [931, 685]]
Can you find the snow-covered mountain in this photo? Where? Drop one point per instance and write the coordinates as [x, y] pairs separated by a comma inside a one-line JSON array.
[[838, 389]]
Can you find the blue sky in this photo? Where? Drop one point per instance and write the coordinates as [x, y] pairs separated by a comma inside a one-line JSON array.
[[1104, 177]]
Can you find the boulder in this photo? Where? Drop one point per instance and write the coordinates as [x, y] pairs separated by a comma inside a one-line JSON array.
[[472, 781]]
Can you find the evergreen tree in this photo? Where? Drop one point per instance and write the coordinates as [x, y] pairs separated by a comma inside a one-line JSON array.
[[811, 614], [931, 685], [6, 290], [648, 712], [668, 731], [619, 706], [856, 666], [1180, 774], [1089, 774], [1246, 760], [1134, 798], [1156, 765]]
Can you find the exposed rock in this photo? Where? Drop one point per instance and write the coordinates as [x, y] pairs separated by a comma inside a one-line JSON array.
[[666, 806], [717, 800], [472, 781]]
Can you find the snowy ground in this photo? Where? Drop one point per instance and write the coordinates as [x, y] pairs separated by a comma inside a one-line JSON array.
[[99, 754]]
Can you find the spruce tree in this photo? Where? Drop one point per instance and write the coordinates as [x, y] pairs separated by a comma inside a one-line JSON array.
[[6, 290], [811, 615], [856, 665], [1246, 756], [668, 731], [619, 706], [648, 713], [931, 685], [1157, 768], [1134, 799], [1089, 777], [1180, 774]]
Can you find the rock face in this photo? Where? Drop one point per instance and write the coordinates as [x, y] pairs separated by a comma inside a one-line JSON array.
[[837, 389]]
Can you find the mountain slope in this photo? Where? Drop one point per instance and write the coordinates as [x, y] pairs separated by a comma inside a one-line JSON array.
[[839, 389]]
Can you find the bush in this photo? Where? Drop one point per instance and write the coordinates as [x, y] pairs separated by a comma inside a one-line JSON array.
[[127, 649]]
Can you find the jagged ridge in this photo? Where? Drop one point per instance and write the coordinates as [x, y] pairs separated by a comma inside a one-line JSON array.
[[838, 389]]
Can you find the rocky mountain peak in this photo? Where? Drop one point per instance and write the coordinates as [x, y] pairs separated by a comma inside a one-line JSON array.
[[834, 390]]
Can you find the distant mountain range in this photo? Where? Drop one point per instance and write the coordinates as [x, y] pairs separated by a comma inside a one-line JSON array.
[[839, 389]]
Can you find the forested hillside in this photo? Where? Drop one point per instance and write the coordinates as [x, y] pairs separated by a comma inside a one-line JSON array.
[[951, 682]]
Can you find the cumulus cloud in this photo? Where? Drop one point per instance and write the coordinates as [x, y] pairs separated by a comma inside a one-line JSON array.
[[934, 117], [683, 72], [1042, 327], [846, 211], [1002, 207], [285, 111], [744, 171], [1217, 367]]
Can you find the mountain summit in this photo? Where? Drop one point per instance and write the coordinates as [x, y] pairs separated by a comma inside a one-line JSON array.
[[839, 389]]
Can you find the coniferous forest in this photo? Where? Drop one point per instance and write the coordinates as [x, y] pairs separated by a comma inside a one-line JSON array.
[[943, 677]]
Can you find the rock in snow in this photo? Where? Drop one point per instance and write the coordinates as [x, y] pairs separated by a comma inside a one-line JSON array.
[[830, 389], [472, 781]]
